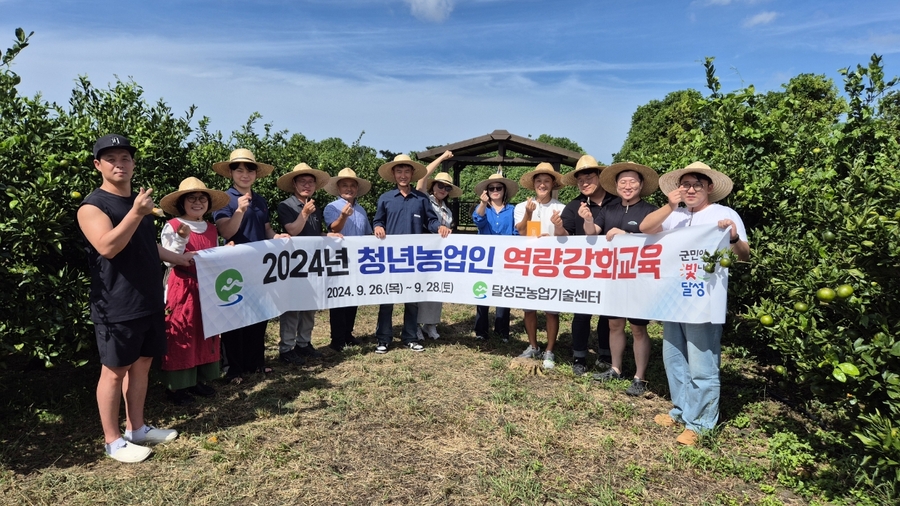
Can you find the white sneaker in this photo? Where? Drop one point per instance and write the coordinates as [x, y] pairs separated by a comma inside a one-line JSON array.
[[130, 453], [531, 352], [381, 349], [432, 332], [153, 436], [415, 346], [419, 335], [549, 360]]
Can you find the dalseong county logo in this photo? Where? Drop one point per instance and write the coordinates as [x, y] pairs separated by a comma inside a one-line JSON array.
[[228, 287]]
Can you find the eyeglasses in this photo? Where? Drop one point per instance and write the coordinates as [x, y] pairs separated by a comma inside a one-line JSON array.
[[696, 186], [196, 198], [305, 181], [496, 188], [442, 186]]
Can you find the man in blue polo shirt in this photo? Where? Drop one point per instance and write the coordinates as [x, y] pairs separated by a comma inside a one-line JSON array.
[[403, 211]]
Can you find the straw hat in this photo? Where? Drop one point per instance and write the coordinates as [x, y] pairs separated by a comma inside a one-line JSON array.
[[385, 171], [242, 155], [218, 199], [610, 175], [527, 179], [511, 186], [586, 162], [443, 177], [722, 184], [347, 173], [285, 183]]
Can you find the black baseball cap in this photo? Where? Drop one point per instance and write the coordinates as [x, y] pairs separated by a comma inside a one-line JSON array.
[[112, 141]]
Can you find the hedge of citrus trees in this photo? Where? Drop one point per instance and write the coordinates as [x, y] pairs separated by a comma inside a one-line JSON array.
[[47, 169], [816, 182]]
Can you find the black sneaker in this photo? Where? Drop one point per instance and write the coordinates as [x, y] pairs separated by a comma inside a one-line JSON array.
[[579, 367], [637, 388], [307, 351], [179, 397], [291, 357], [353, 342], [609, 374], [203, 390]]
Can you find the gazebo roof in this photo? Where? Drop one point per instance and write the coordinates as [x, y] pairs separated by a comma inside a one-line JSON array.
[[532, 152]]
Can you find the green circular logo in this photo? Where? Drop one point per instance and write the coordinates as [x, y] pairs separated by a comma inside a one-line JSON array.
[[228, 284], [480, 290]]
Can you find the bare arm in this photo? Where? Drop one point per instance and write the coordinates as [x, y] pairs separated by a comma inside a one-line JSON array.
[[183, 259], [431, 167], [98, 229], [652, 223], [228, 227], [296, 226]]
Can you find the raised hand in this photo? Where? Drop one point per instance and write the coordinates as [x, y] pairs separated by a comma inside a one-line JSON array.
[[309, 208], [585, 212], [244, 202], [143, 203]]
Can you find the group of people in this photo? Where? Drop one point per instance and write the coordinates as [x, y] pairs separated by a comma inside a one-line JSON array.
[[138, 318]]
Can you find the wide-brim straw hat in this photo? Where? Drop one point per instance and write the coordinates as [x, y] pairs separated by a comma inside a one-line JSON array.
[[527, 179], [586, 162], [242, 155], [610, 175], [722, 184], [217, 199], [347, 173], [443, 177], [285, 183], [385, 171], [512, 187]]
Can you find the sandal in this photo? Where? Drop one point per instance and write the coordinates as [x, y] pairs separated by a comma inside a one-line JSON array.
[[264, 370], [237, 380]]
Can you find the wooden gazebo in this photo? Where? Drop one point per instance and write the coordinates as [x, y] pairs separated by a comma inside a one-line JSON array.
[[491, 150]]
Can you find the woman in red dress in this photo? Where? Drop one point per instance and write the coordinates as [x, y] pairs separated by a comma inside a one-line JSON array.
[[191, 359]]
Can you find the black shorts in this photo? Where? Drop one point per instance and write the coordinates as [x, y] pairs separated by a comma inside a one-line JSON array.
[[633, 321], [123, 343]]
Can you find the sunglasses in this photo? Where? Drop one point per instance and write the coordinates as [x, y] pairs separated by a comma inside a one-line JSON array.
[[496, 188], [442, 186]]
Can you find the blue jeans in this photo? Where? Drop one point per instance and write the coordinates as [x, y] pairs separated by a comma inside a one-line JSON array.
[[692, 354], [384, 331]]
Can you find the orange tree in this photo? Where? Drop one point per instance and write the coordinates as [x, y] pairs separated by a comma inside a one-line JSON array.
[[815, 182]]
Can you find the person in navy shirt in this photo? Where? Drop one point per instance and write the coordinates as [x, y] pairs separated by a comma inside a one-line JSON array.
[[245, 219], [403, 211]]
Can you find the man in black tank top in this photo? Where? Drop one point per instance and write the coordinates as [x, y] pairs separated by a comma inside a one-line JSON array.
[[126, 296]]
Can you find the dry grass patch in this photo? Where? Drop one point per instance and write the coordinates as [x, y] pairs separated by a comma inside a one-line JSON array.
[[451, 425]]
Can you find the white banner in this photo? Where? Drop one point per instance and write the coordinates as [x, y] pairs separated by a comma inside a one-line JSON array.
[[654, 277]]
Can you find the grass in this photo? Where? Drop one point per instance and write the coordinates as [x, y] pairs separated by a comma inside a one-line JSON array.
[[451, 425]]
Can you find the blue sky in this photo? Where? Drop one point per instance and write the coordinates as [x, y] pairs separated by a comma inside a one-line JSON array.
[[418, 73]]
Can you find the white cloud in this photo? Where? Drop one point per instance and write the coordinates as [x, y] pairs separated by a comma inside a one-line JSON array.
[[763, 18], [431, 10]]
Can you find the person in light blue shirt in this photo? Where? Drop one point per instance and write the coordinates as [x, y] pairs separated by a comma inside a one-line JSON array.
[[345, 216], [494, 215]]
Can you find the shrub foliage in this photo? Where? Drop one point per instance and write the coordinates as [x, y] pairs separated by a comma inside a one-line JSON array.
[[815, 177]]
